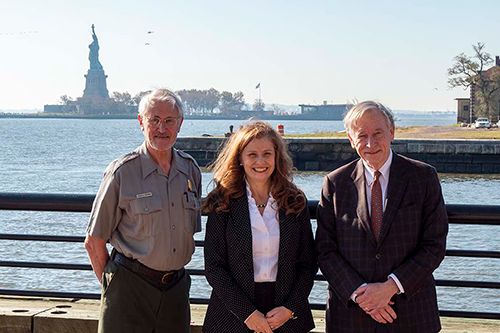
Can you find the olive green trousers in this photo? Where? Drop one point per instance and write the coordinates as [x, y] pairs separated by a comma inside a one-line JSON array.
[[131, 305]]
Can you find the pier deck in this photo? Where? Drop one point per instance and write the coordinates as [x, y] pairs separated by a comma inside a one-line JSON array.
[[28, 314]]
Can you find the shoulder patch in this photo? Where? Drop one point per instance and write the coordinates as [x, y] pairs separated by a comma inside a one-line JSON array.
[[116, 164]]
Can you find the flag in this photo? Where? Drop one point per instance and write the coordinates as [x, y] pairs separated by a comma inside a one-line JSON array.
[[257, 86]]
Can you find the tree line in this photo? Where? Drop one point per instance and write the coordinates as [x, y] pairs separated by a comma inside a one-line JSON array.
[[197, 102]]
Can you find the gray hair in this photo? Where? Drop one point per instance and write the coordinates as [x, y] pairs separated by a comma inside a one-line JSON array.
[[358, 110], [159, 96]]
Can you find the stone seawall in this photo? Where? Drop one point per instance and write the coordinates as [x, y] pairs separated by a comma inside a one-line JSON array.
[[326, 154]]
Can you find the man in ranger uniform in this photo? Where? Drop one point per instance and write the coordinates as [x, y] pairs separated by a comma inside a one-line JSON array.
[[147, 206]]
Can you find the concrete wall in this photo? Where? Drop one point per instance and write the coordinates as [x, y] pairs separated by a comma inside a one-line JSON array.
[[326, 154]]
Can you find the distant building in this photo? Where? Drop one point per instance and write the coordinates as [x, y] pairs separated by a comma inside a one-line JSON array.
[[324, 111], [463, 110], [255, 114], [60, 108], [471, 104]]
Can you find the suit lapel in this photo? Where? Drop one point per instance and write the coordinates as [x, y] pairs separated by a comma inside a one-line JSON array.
[[287, 228], [358, 177], [240, 219], [396, 188]]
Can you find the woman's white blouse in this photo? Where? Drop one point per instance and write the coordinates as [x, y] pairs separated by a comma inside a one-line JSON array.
[[265, 239]]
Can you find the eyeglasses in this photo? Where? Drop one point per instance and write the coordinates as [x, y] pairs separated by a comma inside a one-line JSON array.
[[155, 122]]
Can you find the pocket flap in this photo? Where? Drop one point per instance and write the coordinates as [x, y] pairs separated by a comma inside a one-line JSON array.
[[145, 205]]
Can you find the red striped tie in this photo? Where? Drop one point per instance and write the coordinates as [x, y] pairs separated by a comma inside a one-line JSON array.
[[377, 211]]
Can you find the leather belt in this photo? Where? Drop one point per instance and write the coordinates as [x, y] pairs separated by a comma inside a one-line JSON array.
[[149, 274]]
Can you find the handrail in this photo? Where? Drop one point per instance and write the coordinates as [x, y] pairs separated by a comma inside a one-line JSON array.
[[80, 239], [318, 277], [457, 214]]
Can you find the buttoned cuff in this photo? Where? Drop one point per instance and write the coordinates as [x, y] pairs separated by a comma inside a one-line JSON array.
[[250, 316], [354, 295], [400, 286]]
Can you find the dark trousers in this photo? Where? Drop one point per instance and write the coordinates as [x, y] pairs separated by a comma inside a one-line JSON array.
[[381, 328], [130, 304], [264, 297]]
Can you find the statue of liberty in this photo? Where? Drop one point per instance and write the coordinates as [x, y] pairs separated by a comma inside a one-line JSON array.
[[94, 53]]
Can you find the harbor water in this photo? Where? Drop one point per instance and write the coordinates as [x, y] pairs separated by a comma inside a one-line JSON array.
[[70, 155]]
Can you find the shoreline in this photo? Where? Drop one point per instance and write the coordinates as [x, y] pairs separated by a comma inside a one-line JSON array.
[[445, 132]]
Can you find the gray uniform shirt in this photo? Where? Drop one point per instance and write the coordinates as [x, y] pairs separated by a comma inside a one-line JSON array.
[[149, 215]]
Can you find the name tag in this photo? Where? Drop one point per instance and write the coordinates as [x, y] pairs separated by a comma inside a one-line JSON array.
[[144, 195]]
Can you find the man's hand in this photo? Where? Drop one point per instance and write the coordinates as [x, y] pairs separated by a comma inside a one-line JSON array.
[[375, 296], [98, 254], [278, 316], [384, 316], [258, 323], [375, 300]]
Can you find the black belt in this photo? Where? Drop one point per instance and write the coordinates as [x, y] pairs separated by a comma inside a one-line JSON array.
[[149, 274]]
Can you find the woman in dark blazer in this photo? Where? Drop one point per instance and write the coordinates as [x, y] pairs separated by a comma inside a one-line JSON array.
[[259, 249]]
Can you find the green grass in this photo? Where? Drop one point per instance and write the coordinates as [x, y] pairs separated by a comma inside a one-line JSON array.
[[480, 134], [455, 132], [318, 135], [344, 134]]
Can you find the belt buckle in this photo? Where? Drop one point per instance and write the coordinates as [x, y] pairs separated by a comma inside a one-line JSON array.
[[166, 277]]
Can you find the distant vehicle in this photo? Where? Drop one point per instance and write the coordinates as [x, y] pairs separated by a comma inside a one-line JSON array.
[[482, 123]]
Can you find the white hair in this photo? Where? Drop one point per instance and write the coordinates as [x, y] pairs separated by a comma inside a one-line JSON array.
[[358, 110], [158, 96]]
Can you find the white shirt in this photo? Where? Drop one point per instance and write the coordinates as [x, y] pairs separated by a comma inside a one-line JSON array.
[[385, 171], [265, 239]]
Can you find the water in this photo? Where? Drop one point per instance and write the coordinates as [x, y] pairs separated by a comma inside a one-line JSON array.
[[218, 127], [69, 156]]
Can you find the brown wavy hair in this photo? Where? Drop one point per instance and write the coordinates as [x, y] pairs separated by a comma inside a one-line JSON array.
[[229, 174]]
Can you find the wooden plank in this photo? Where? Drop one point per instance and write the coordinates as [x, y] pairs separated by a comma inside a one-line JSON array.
[[81, 316], [66, 315], [16, 313]]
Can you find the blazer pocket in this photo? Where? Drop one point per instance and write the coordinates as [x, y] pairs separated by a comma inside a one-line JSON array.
[[412, 211], [409, 219]]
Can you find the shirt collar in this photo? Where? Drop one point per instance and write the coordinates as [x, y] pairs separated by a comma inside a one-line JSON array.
[[148, 165], [270, 200], [384, 170]]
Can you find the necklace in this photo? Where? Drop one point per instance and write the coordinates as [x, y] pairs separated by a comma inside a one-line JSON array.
[[262, 206]]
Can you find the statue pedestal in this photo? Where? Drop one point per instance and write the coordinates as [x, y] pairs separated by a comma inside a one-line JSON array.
[[95, 85]]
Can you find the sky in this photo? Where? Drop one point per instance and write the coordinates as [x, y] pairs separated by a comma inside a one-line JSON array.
[[302, 52]]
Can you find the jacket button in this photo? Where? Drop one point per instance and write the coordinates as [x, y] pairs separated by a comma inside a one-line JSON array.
[[378, 256]]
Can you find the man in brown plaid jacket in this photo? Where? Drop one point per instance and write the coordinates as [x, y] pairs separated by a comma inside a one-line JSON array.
[[382, 227]]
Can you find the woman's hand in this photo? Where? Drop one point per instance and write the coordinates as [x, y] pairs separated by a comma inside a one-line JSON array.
[[258, 323], [278, 316]]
